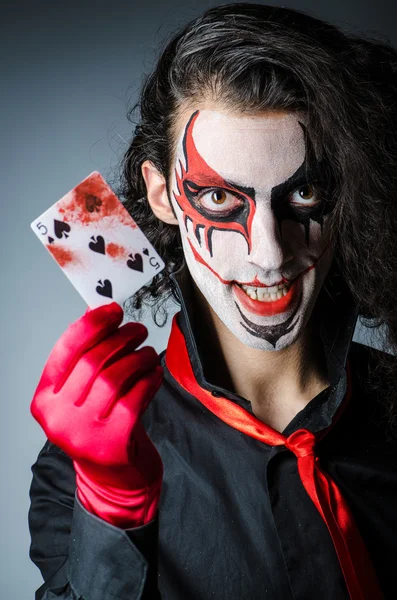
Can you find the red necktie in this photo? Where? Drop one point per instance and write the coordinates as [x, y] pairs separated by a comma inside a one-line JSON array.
[[355, 562]]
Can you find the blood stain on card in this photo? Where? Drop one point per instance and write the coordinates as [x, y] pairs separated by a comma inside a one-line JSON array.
[[63, 256], [116, 251], [91, 201]]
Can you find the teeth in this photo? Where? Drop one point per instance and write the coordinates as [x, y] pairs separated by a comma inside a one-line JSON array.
[[251, 291], [266, 294]]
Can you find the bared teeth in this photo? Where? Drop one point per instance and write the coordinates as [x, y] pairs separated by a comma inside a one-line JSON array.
[[264, 294]]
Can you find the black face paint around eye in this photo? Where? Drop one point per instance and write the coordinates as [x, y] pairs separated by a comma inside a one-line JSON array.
[[309, 171]]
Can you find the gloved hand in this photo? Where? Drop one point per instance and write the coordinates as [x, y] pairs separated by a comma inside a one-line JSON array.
[[93, 390]]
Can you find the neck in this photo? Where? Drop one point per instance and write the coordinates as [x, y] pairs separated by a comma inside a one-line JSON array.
[[277, 383]]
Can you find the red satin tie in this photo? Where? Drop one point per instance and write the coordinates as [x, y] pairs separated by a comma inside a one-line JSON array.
[[355, 562]]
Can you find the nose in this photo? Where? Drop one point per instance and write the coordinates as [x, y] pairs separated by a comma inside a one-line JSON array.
[[268, 251]]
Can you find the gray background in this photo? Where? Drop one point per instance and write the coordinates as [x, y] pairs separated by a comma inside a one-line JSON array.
[[69, 70]]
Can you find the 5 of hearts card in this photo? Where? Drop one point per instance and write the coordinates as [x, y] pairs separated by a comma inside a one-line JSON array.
[[97, 243]]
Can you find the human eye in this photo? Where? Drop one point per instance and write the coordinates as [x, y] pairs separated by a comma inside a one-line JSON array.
[[305, 196], [218, 201]]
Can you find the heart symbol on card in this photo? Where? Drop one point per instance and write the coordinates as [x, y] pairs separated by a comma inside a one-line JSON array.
[[105, 288], [98, 245], [61, 227], [136, 263]]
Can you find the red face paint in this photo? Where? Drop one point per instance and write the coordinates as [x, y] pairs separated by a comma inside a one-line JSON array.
[[199, 174]]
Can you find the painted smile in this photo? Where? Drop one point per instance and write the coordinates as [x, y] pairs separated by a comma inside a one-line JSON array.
[[268, 308]]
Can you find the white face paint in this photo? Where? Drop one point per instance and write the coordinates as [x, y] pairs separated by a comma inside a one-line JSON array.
[[247, 214]]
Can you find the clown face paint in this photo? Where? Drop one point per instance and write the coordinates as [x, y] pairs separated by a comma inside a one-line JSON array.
[[249, 220]]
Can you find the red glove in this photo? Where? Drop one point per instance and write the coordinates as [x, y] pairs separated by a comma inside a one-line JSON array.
[[91, 394]]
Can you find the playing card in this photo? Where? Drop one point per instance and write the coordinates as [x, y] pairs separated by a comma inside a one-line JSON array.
[[97, 244]]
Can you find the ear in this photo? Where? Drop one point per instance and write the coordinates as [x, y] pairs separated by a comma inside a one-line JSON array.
[[157, 193]]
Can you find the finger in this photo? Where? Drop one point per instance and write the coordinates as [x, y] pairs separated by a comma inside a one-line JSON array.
[[123, 341], [108, 351], [81, 335], [138, 397], [114, 381]]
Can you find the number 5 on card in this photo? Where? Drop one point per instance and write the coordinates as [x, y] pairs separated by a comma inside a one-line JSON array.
[[97, 243]]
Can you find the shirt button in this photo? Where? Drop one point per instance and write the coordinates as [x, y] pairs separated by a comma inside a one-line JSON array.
[[216, 394]]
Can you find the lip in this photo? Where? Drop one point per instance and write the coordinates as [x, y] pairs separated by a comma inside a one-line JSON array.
[[261, 285], [268, 309]]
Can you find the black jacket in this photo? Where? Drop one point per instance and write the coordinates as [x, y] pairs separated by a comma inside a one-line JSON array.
[[235, 520]]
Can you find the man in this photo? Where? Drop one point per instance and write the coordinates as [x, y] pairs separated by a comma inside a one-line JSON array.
[[264, 431]]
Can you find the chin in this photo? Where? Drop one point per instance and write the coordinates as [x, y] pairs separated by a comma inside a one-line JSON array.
[[246, 338]]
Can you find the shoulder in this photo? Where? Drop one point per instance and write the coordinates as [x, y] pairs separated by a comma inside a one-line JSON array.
[[364, 358], [364, 350], [374, 399]]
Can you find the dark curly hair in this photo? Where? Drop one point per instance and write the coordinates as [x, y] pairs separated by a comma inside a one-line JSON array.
[[253, 57]]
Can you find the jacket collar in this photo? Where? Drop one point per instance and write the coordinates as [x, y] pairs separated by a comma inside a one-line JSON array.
[[335, 315]]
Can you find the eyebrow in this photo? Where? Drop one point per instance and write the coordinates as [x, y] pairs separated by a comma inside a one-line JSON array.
[[303, 174]]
